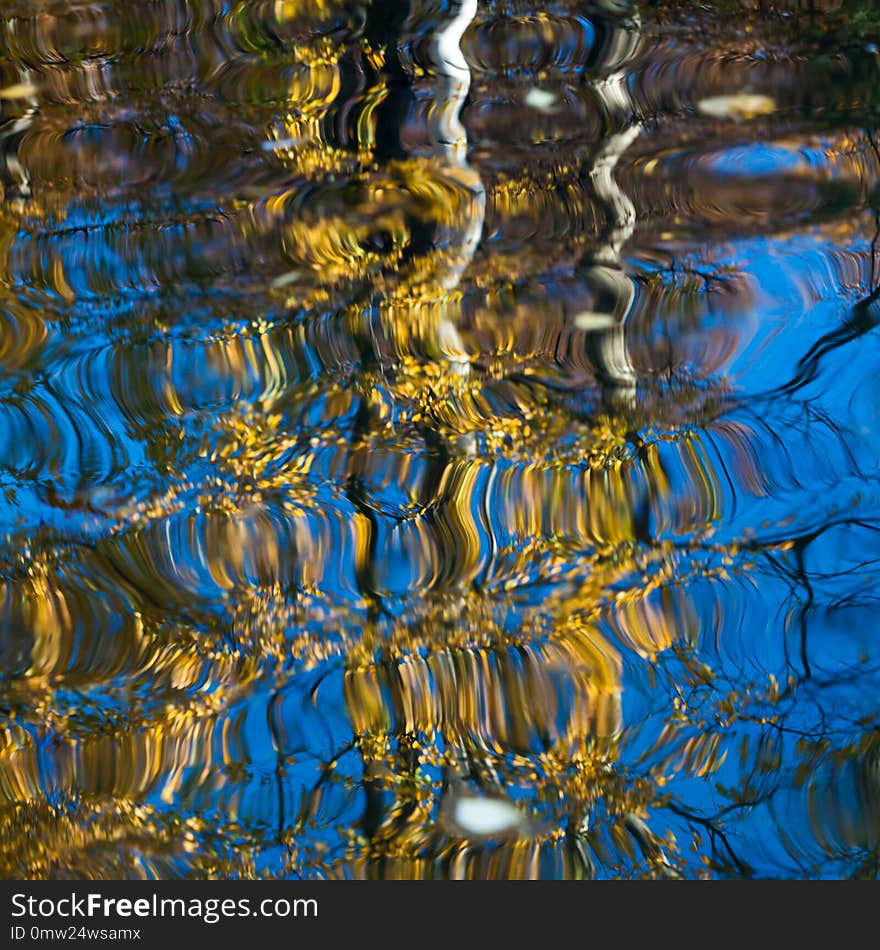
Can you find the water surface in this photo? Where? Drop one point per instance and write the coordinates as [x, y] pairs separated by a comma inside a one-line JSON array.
[[439, 439]]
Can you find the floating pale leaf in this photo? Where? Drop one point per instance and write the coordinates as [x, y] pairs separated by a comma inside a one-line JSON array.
[[594, 321], [540, 99], [282, 280], [739, 106], [487, 816]]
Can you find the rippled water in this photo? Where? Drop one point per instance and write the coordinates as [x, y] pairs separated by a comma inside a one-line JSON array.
[[439, 439]]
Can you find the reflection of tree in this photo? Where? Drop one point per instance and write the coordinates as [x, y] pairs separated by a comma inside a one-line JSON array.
[[17, 117], [616, 45], [410, 698]]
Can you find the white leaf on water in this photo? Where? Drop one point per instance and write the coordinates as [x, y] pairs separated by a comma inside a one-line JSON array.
[[487, 816], [739, 106], [282, 280], [594, 321], [540, 99]]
